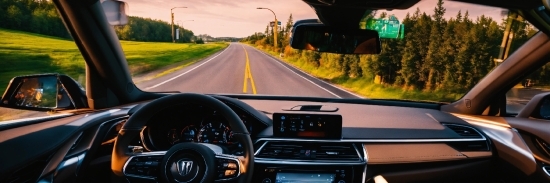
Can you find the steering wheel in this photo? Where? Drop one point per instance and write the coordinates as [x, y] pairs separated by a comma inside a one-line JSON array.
[[183, 162]]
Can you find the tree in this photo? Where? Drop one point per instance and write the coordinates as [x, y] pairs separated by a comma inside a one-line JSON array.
[[435, 54], [199, 41], [14, 17], [146, 29], [415, 50], [432, 65], [286, 33]]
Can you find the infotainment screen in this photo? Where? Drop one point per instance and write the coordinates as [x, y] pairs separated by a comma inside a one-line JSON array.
[[304, 177], [322, 126]]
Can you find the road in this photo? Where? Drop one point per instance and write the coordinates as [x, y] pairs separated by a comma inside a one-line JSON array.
[[242, 69], [517, 98]]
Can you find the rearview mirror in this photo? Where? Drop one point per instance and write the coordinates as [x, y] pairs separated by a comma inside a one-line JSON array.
[[43, 92], [321, 38], [116, 12]]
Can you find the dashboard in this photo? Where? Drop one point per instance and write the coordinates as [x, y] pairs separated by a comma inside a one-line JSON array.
[[329, 144], [399, 143], [194, 123]]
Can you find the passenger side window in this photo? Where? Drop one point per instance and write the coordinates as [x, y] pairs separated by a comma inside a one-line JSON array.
[[536, 83]]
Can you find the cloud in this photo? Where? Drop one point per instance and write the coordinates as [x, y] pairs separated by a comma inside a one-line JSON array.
[[452, 8], [240, 18]]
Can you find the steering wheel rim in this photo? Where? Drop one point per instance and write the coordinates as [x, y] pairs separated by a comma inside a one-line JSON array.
[[135, 124]]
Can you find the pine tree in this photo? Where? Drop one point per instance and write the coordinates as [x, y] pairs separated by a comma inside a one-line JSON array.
[[411, 54], [433, 66], [465, 52]]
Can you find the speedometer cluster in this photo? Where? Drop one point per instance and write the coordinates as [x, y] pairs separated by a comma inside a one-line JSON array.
[[214, 132], [190, 124], [209, 131]]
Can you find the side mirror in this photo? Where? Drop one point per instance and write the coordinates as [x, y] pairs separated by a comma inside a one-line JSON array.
[[116, 12], [43, 92], [321, 38]]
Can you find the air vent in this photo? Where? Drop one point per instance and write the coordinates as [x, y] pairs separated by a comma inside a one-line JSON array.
[[309, 151], [464, 131]]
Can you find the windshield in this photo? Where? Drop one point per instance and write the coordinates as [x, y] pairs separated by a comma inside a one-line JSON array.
[[434, 51]]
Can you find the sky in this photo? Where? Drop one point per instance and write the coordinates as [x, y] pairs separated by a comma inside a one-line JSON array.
[[240, 18]]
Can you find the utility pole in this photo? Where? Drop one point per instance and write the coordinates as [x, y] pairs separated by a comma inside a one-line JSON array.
[[172, 24], [507, 37], [275, 33]]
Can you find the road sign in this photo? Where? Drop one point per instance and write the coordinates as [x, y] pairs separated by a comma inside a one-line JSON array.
[[387, 28], [273, 24]]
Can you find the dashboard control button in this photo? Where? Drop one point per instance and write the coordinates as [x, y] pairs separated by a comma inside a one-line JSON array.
[[229, 173], [341, 181], [266, 180], [137, 149], [231, 166]]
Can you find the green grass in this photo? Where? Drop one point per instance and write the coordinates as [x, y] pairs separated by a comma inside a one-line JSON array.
[[23, 53], [365, 86]]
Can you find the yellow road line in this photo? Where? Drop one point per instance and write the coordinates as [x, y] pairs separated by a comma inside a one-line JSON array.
[[251, 78], [248, 75], [245, 77]]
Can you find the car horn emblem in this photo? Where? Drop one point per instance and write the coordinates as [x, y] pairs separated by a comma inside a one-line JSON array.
[[184, 167]]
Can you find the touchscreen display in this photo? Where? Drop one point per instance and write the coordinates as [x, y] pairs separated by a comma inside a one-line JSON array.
[[307, 125], [304, 177]]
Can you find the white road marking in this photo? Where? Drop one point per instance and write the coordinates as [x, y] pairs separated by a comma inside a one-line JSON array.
[[279, 62], [175, 77]]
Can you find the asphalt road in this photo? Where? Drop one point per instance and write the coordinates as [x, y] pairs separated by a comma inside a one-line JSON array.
[[242, 69], [517, 98]]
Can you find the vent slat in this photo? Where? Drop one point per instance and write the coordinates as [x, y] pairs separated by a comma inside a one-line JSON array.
[[464, 131], [309, 151]]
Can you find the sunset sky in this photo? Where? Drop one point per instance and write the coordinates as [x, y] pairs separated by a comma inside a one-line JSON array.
[[240, 18]]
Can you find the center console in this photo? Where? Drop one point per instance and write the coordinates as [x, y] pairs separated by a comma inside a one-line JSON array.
[[304, 173], [307, 148]]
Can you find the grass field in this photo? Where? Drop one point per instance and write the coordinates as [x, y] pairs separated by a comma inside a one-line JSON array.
[[366, 87], [23, 53]]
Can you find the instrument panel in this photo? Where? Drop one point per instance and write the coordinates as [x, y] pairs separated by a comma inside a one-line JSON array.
[[191, 123], [215, 131]]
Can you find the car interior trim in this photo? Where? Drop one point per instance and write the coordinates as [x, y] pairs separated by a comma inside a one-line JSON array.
[[412, 153], [261, 147], [509, 144], [359, 154], [546, 169], [374, 140], [304, 162], [309, 162], [146, 142]]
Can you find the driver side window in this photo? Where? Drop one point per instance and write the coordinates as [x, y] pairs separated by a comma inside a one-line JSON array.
[[34, 40]]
